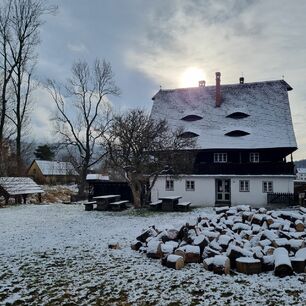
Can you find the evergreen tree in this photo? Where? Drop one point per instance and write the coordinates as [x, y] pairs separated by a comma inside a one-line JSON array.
[[44, 152]]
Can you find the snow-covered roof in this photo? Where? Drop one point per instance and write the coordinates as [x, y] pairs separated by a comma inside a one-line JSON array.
[[97, 177], [267, 119], [301, 170], [55, 167], [19, 185]]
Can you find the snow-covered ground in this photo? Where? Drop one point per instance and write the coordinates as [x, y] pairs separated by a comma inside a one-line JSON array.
[[57, 255]]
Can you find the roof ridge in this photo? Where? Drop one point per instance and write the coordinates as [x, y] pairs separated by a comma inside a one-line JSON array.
[[226, 85]]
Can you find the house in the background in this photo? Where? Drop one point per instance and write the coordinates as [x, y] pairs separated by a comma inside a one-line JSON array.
[[244, 136], [52, 172], [301, 174]]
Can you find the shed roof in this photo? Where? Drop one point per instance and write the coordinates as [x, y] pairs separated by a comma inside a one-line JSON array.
[[268, 123], [55, 167], [19, 185]]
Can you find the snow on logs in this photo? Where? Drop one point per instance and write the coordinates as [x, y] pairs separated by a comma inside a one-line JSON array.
[[248, 240]]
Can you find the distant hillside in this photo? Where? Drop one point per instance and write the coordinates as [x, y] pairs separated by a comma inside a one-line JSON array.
[[300, 163]]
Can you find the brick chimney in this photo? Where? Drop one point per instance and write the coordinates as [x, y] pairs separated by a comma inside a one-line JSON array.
[[218, 89]]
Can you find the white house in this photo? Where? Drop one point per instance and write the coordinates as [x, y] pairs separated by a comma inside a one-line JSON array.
[[301, 174], [244, 134]]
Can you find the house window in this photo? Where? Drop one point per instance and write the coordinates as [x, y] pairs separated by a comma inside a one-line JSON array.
[[244, 186], [254, 157], [169, 185], [190, 186], [267, 186], [220, 157]]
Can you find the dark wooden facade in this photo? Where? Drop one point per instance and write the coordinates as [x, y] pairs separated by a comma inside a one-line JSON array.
[[98, 188], [271, 161]]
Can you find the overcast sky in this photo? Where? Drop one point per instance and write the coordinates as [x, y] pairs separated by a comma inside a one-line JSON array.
[[152, 43]]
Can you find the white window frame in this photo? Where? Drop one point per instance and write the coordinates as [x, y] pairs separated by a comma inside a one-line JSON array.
[[190, 185], [267, 186], [244, 186], [220, 157], [169, 185], [254, 157]]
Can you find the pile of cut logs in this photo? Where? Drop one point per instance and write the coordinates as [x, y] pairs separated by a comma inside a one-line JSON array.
[[238, 238]]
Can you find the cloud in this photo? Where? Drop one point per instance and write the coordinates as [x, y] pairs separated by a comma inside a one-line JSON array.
[[43, 110], [262, 39], [77, 47]]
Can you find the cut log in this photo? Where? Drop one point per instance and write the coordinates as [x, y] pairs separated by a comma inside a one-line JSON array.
[[146, 234], [173, 261], [267, 263], [224, 240], [210, 252], [298, 265], [296, 244], [282, 262], [218, 264], [201, 242], [136, 245], [221, 210], [154, 249], [282, 242], [301, 253], [169, 247], [190, 253], [233, 253], [113, 245], [248, 265], [299, 226]]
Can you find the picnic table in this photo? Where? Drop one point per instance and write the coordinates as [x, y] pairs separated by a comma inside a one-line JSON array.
[[103, 202], [169, 203]]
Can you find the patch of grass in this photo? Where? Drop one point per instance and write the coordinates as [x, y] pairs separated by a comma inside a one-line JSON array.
[[226, 294]]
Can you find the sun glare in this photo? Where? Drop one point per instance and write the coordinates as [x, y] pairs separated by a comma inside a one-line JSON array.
[[191, 77]]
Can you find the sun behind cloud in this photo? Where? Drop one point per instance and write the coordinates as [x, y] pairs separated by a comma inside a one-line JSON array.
[[191, 77]]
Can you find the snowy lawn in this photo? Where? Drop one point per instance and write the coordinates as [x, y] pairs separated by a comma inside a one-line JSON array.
[[58, 255]]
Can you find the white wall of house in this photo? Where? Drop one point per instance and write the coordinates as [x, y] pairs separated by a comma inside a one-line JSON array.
[[205, 194]]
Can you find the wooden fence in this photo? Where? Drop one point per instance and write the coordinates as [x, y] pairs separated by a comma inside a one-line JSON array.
[[282, 198]]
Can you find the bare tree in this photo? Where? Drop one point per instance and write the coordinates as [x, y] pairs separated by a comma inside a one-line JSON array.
[[143, 148], [83, 112], [7, 64], [20, 22]]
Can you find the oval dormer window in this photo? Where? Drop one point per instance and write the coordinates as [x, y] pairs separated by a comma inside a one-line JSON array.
[[238, 115], [237, 133], [192, 118], [188, 135]]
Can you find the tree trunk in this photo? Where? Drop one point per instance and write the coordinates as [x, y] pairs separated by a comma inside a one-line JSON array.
[[136, 191], [82, 183]]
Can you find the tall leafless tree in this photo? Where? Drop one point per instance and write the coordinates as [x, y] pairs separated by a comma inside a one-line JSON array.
[[20, 22], [83, 112], [143, 149]]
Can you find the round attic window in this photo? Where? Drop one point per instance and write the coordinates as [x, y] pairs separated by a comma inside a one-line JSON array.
[[238, 115], [192, 118], [237, 133], [188, 135]]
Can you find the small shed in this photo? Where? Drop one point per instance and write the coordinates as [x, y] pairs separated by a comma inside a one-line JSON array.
[[52, 172], [18, 188]]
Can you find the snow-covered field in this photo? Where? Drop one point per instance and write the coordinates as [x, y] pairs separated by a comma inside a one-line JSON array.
[[57, 255]]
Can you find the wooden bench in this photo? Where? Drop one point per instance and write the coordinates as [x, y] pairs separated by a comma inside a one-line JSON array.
[[183, 206], [89, 205], [156, 205], [118, 205]]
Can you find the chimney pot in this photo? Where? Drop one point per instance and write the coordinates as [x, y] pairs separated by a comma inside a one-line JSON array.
[[202, 83], [241, 80], [218, 89]]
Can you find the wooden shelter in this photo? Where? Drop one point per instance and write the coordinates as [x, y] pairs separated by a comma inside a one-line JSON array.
[[18, 188]]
